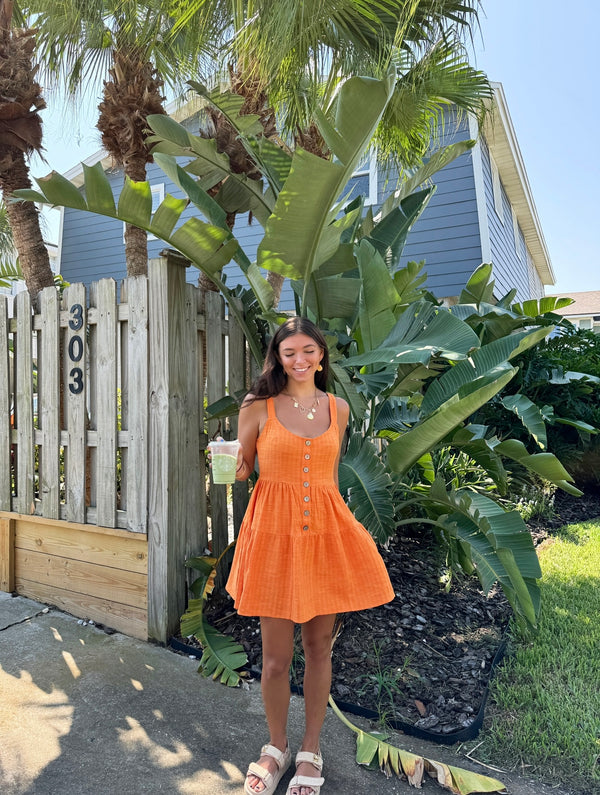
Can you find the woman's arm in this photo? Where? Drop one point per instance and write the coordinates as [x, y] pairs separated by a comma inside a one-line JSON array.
[[251, 419], [343, 412]]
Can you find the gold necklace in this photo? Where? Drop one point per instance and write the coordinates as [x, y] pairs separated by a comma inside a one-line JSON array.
[[310, 413]]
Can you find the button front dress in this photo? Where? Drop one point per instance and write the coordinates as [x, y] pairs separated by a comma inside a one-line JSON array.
[[300, 552]]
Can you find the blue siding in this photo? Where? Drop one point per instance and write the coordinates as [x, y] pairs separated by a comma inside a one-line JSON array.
[[447, 236], [510, 270]]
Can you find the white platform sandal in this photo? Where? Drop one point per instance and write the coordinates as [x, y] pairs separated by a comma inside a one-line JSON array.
[[316, 760], [269, 780]]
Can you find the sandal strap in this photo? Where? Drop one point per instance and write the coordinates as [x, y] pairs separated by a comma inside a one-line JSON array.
[[306, 781], [275, 753], [260, 772], [316, 760]]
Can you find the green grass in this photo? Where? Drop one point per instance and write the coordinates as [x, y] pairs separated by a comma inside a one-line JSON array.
[[544, 711]]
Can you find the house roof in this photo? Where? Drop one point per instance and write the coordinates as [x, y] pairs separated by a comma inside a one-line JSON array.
[[502, 140], [586, 303]]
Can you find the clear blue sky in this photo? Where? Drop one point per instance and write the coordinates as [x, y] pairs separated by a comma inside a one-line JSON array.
[[551, 90]]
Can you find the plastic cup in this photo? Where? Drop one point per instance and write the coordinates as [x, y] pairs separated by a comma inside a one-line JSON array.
[[223, 459]]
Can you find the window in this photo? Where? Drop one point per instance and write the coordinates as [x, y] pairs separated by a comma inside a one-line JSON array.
[[516, 232], [497, 188], [364, 178], [158, 194], [585, 323]]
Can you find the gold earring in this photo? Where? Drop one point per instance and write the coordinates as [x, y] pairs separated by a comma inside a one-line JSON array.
[[320, 368]]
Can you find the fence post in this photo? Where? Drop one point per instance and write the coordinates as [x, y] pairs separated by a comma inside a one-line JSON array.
[[173, 450]]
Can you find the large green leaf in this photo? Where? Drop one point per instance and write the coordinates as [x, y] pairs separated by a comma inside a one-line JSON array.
[[286, 248], [135, 203], [405, 451], [546, 465], [378, 297], [352, 130], [211, 166], [422, 331], [540, 306], [480, 361], [222, 656], [529, 414], [480, 287], [499, 544], [98, 191], [390, 233], [364, 477], [344, 387], [331, 297]]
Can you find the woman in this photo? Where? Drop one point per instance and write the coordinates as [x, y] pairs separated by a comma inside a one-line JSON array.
[[300, 551]]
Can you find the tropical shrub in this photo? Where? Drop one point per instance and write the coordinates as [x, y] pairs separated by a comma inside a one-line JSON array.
[[556, 397]]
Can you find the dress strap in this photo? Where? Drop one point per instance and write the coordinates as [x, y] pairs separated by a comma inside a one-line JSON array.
[[271, 409], [332, 408]]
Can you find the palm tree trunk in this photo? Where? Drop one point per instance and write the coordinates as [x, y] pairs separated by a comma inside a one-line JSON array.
[[25, 223], [132, 93]]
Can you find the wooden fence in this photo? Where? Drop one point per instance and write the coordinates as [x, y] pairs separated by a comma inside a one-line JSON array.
[[102, 435]]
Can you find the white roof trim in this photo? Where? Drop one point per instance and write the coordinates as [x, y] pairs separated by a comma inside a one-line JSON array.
[[502, 141]]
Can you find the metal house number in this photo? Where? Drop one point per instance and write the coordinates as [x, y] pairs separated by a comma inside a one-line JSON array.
[[75, 351]]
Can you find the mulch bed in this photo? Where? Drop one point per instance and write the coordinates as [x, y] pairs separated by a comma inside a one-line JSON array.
[[424, 660]]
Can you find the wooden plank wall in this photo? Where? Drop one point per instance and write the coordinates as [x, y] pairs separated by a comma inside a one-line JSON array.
[[102, 425], [97, 573]]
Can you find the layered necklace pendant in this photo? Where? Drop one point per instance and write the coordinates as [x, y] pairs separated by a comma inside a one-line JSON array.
[[309, 413]]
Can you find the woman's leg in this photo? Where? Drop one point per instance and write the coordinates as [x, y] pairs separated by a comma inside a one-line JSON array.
[[278, 648], [316, 642]]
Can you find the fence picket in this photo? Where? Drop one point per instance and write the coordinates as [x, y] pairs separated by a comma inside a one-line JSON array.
[[74, 396], [215, 388], [238, 359], [49, 403], [24, 404], [5, 409], [135, 458], [106, 402]]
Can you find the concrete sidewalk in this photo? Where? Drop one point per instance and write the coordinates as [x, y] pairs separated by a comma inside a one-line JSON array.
[[87, 713]]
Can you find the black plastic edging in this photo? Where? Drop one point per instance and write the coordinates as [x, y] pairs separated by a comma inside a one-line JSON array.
[[468, 733]]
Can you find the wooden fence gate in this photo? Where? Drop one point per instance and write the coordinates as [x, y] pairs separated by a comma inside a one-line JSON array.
[[102, 437]]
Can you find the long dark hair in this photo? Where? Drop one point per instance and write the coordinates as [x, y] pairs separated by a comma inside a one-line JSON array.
[[272, 380]]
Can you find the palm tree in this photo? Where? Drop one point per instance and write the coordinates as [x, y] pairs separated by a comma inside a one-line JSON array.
[[129, 46], [20, 136]]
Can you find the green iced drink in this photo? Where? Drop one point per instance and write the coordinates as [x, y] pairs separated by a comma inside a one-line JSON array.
[[223, 468], [223, 459]]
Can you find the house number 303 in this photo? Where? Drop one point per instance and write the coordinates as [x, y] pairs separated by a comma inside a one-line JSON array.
[[75, 350]]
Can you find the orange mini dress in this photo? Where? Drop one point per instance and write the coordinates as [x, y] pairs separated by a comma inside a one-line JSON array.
[[300, 552]]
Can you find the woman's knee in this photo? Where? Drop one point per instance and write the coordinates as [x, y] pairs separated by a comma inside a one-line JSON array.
[[317, 648], [276, 665]]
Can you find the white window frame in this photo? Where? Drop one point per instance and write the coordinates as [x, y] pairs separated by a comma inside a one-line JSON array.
[[371, 172], [497, 189], [158, 194]]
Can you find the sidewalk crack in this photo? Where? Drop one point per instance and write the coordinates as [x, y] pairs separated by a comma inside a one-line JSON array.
[[43, 612]]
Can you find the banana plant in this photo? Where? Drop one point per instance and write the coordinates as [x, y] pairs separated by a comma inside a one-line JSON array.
[[222, 657]]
